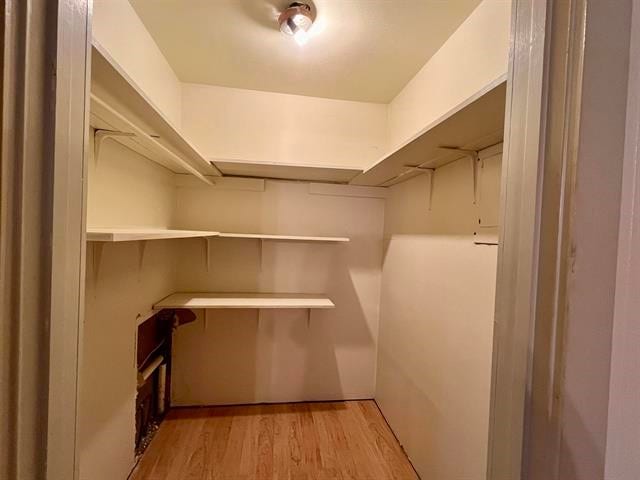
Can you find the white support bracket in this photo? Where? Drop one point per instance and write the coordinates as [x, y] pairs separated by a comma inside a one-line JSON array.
[[207, 252], [432, 174], [474, 156], [96, 257], [142, 247], [261, 253], [100, 136]]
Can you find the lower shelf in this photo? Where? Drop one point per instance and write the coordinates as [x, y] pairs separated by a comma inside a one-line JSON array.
[[244, 300]]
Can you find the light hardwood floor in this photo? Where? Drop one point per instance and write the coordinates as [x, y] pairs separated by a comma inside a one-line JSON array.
[[299, 441]]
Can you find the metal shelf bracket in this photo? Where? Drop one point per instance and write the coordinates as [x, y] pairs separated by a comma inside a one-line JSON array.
[[474, 157], [432, 175], [100, 136]]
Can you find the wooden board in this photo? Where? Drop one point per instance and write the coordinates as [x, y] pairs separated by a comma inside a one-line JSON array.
[[282, 171], [135, 234], [284, 238], [476, 124], [244, 300], [113, 87]]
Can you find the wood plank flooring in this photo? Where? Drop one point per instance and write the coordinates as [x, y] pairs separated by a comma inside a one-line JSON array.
[[299, 441]]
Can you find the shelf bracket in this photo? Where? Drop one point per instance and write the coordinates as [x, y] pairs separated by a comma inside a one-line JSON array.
[[142, 246], [432, 174], [207, 252], [205, 318], [96, 257], [100, 136], [308, 318], [261, 253], [474, 157]]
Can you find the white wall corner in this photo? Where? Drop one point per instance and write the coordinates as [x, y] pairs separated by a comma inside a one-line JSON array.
[[119, 30]]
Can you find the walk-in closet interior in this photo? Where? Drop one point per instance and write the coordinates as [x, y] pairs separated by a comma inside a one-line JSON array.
[[292, 238]]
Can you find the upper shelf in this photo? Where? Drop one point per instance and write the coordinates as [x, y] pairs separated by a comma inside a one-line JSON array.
[[476, 124], [244, 300], [135, 234], [284, 238], [283, 171], [118, 104]]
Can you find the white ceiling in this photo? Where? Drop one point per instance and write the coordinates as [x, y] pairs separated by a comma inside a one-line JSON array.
[[364, 50]]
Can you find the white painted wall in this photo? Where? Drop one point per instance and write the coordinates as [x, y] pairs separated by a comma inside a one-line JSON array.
[[124, 189], [473, 57], [436, 321], [229, 123], [128, 190], [115, 294], [117, 28], [282, 357]]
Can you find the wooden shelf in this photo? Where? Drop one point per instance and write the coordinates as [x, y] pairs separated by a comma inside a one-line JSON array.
[[244, 300], [119, 105], [137, 234], [284, 238], [476, 124], [134, 234], [283, 171]]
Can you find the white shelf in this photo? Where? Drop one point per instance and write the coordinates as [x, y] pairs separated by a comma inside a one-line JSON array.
[[283, 171], [118, 104], [137, 234], [284, 238], [474, 125], [244, 300]]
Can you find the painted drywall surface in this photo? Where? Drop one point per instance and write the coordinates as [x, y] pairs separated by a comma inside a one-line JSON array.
[[246, 356], [229, 123], [122, 281], [123, 286], [117, 27], [128, 190], [436, 322], [474, 56]]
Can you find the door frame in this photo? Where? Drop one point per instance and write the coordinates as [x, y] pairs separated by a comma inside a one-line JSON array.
[[556, 278], [622, 460], [45, 78], [519, 238]]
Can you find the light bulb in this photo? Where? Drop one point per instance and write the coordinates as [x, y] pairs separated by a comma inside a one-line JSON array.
[[301, 36], [296, 21]]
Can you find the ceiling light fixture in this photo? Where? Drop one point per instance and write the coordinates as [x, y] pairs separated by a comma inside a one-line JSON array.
[[296, 21]]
